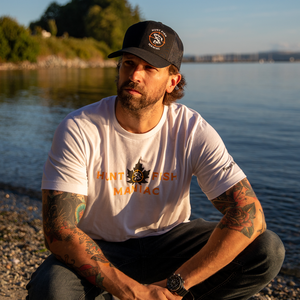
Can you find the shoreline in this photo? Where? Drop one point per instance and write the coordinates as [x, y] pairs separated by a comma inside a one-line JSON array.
[[54, 61], [21, 218]]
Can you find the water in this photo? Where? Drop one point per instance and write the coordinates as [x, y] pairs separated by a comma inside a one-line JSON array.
[[254, 107]]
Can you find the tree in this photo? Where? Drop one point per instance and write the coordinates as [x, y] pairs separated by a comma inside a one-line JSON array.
[[4, 47], [21, 45], [110, 22], [103, 20], [51, 13], [104, 25], [52, 27]]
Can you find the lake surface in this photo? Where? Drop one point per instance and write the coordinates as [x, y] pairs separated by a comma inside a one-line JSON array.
[[254, 107]]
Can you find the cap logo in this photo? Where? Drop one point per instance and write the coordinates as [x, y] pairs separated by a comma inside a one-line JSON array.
[[157, 39]]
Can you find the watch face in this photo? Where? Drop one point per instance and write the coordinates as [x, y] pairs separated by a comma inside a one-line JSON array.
[[174, 283]]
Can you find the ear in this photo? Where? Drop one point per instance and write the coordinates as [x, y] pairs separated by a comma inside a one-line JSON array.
[[172, 82]]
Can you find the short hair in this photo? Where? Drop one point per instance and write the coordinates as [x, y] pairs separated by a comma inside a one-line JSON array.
[[178, 91]]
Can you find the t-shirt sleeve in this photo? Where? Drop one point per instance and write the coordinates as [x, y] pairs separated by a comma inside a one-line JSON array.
[[214, 167], [65, 168]]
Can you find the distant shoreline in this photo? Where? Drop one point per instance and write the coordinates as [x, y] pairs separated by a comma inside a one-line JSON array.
[[239, 62], [54, 61]]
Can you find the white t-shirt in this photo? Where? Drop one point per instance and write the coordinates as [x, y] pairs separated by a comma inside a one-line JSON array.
[[136, 184]]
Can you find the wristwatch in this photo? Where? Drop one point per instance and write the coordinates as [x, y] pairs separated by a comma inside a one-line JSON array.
[[175, 286]]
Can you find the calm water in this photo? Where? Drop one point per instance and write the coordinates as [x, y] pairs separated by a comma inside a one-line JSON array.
[[254, 107]]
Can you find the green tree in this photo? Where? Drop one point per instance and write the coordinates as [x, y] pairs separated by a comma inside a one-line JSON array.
[[21, 45], [103, 20], [51, 13], [104, 25], [52, 27], [110, 21], [4, 47]]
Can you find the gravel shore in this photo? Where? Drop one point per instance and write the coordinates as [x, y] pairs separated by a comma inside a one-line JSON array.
[[54, 61], [22, 250]]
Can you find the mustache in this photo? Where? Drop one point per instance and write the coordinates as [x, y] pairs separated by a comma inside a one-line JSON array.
[[131, 85]]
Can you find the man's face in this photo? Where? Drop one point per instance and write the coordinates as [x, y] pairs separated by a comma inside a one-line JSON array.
[[139, 84]]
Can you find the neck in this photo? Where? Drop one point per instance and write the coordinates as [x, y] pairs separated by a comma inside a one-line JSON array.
[[140, 121]]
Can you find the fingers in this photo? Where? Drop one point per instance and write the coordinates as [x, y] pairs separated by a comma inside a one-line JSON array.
[[162, 293], [171, 296]]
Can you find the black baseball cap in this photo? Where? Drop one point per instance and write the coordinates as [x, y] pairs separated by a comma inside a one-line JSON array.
[[154, 42]]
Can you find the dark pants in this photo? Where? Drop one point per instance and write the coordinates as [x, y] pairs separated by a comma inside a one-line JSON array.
[[155, 258]]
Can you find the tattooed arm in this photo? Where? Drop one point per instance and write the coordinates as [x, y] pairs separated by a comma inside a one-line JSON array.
[[242, 222], [242, 210], [61, 214]]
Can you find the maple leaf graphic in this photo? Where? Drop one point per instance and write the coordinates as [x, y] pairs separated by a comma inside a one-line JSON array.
[[138, 174]]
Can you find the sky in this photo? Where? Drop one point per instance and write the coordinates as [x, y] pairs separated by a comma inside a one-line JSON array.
[[205, 27]]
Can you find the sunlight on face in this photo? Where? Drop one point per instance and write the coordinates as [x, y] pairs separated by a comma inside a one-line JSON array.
[[139, 84]]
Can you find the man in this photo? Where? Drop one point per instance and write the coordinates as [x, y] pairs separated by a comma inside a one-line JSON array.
[[116, 202]]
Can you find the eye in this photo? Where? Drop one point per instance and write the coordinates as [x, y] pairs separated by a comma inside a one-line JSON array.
[[150, 68], [128, 62]]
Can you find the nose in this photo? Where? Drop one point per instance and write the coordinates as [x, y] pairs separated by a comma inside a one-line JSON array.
[[136, 73]]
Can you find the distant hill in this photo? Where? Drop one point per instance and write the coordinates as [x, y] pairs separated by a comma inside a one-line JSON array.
[[272, 56]]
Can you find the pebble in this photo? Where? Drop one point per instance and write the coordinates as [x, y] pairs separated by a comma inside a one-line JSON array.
[[20, 254]]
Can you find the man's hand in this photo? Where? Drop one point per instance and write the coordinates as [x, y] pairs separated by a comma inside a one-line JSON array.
[[157, 291]]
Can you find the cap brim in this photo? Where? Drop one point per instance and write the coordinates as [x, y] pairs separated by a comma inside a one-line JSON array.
[[150, 58]]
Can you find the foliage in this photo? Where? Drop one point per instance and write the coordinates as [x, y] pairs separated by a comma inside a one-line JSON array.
[[16, 42], [86, 28], [52, 27], [103, 20], [103, 24], [71, 47], [4, 47]]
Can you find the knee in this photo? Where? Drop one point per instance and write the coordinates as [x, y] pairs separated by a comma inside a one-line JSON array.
[[272, 246], [50, 280], [269, 253], [41, 282], [54, 280]]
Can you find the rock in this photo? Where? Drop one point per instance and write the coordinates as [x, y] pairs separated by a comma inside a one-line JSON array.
[[15, 261], [291, 283], [266, 291]]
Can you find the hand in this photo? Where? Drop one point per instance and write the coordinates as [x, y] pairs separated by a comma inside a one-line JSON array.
[[159, 291]]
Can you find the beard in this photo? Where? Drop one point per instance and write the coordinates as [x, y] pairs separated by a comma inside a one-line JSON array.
[[136, 103]]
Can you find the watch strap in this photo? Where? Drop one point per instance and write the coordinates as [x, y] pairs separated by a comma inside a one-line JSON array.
[[182, 292], [188, 296]]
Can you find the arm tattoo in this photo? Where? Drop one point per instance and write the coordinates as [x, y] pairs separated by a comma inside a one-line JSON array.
[[238, 212], [264, 225], [61, 213]]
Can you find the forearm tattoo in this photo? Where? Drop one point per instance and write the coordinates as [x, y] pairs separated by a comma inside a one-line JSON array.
[[61, 213], [238, 207]]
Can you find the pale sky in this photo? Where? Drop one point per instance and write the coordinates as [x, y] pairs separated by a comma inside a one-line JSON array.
[[205, 27]]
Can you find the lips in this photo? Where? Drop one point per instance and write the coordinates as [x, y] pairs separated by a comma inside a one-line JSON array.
[[131, 87], [132, 91]]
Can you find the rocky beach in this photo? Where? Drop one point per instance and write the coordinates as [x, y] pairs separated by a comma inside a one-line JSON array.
[[22, 249], [53, 61]]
